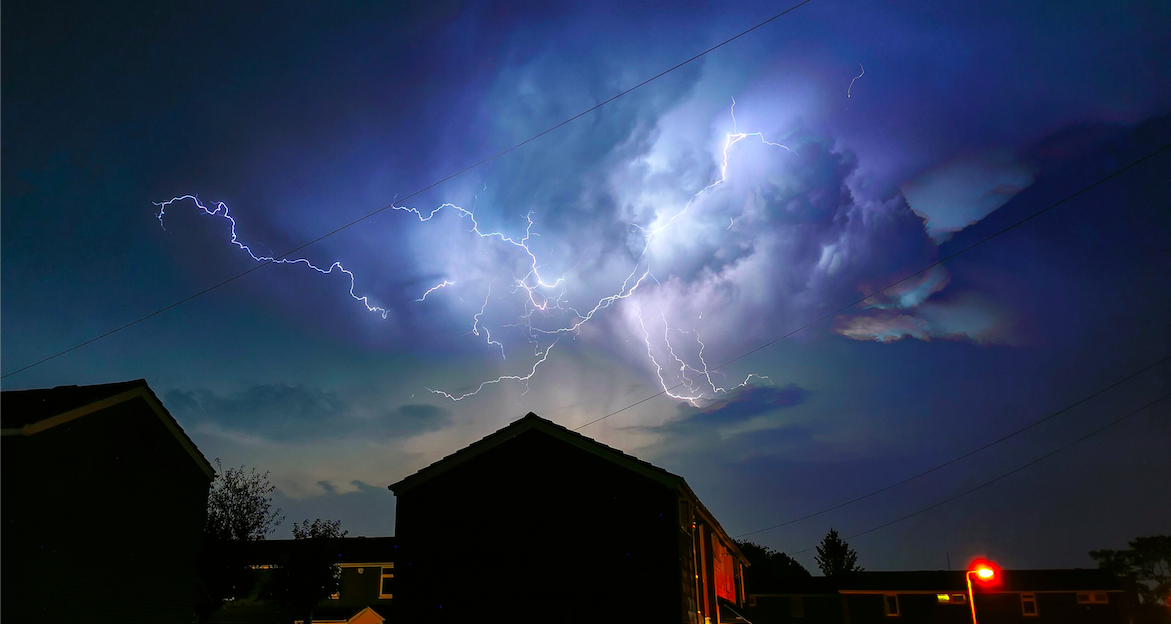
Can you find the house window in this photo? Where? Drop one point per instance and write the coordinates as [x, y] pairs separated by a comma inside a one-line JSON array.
[[1029, 604], [386, 583], [959, 598], [797, 607], [1092, 598], [890, 603]]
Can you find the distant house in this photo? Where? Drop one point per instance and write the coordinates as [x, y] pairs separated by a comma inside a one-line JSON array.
[[366, 595], [940, 596], [536, 523], [104, 501]]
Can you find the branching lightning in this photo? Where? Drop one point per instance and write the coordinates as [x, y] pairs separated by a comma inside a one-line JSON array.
[[545, 296]]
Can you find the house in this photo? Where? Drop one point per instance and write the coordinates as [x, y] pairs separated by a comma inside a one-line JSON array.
[[941, 596], [365, 596], [102, 491], [536, 523]]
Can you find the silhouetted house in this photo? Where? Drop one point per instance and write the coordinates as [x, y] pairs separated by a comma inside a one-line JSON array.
[[366, 595], [940, 596], [104, 501], [536, 523]]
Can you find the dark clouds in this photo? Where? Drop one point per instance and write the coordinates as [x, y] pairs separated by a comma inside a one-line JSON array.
[[298, 413], [742, 404]]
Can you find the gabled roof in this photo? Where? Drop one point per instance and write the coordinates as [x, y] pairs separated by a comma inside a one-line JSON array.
[[531, 422], [29, 412]]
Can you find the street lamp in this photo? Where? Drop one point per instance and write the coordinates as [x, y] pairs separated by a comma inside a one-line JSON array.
[[986, 573]]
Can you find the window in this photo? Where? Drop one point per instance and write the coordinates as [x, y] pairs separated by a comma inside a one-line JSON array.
[[943, 598], [386, 583], [890, 603], [797, 607], [959, 598], [1092, 598], [1029, 604]]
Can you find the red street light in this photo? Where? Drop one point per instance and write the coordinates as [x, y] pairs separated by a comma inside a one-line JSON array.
[[986, 573]]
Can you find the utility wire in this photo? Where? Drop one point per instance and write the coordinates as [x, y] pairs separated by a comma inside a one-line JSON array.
[[964, 456], [1059, 202], [418, 192], [1007, 474]]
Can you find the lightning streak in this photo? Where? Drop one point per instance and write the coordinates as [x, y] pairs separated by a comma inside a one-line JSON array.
[[543, 297], [855, 78], [445, 284], [221, 210]]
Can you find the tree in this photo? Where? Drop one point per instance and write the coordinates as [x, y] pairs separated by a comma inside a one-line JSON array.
[[239, 505], [769, 571], [239, 510], [1146, 566], [308, 573], [835, 557]]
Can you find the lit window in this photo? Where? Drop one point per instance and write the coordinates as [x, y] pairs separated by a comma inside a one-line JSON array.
[[1029, 604], [797, 607], [386, 583], [943, 598], [890, 603], [1092, 598]]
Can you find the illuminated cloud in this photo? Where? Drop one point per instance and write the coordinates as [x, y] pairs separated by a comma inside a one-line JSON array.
[[964, 191], [963, 317], [297, 413]]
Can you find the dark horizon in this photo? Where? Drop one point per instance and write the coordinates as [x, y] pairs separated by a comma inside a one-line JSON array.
[[865, 143]]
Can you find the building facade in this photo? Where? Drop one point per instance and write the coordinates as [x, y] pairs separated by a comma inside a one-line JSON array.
[[538, 523], [101, 488], [366, 593], [941, 597]]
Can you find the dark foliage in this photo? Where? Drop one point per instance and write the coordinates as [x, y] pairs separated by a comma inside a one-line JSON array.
[[239, 509], [835, 557], [309, 573], [770, 571], [1145, 567]]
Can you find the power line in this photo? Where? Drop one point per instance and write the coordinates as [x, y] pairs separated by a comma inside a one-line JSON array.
[[1007, 474], [921, 271], [406, 197], [965, 455]]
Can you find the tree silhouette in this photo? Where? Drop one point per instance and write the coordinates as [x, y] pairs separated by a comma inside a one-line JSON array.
[[308, 572], [239, 510], [835, 557], [769, 571], [1146, 566]]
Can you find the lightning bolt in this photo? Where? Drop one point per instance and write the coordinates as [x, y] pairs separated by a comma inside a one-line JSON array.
[[851, 88], [221, 210], [545, 298], [445, 284]]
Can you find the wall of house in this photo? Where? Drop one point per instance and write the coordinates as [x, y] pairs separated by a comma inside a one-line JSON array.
[[1000, 607], [360, 587], [539, 530], [102, 519]]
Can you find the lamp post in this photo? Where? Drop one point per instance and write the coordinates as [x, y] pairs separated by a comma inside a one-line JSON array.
[[986, 573]]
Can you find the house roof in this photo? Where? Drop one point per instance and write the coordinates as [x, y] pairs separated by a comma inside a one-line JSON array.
[[531, 422], [29, 412], [953, 581], [371, 550]]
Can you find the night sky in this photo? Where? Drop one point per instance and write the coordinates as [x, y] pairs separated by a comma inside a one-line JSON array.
[[643, 246]]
